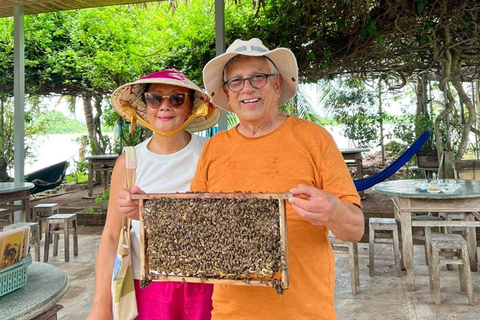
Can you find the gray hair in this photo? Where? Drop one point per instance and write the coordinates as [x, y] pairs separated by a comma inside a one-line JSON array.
[[272, 66]]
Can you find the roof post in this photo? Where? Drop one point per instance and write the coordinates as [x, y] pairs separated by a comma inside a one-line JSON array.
[[19, 94]]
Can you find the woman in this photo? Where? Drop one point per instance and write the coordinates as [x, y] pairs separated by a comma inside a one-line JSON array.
[[171, 106]]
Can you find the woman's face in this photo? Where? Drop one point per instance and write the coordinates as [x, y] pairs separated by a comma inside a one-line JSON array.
[[165, 110]]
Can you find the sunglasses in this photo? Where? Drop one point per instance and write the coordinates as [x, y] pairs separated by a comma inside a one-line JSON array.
[[155, 100]]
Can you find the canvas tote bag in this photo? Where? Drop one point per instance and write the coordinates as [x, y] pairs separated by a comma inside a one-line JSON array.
[[124, 303]]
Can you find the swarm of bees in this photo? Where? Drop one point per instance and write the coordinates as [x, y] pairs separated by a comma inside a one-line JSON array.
[[215, 238]]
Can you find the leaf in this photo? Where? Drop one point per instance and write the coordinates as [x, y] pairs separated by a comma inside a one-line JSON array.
[[420, 6], [327, 54]]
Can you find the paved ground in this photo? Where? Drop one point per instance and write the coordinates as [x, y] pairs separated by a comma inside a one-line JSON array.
[[382, 296]]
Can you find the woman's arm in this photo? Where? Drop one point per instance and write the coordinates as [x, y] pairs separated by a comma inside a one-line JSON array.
[[102, 302]]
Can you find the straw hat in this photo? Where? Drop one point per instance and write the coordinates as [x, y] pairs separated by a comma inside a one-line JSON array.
[[128, 102], [283, 59]]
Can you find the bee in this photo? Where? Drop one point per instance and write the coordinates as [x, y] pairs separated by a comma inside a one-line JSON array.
[[227, 238]]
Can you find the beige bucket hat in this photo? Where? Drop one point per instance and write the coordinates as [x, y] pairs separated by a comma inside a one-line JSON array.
[[283, 58], [128, 103]]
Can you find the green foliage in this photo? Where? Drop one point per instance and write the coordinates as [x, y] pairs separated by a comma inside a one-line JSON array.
[[95, 50], [103, 199], [369, 30], [403, 128], [394, 148], [300, 107], [355, 108], [419, 6], [232, 119], [424, 122], [58, 123], [80, 175], [34, 125], [76, 177]]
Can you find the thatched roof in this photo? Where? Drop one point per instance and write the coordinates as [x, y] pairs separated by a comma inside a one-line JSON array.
[[42, 6]]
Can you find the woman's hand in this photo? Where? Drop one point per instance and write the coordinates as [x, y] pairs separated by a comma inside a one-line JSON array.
[[126, 205]]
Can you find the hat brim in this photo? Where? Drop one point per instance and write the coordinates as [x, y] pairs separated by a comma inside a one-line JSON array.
[[130, 93], [283, 59]]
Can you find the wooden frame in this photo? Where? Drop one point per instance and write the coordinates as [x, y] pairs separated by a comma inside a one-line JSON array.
[[146, 275]]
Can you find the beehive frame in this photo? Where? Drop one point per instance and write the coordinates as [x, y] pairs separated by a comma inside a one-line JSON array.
[[280, 281]]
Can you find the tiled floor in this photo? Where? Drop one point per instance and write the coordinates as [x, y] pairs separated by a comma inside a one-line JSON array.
[[381, 296]]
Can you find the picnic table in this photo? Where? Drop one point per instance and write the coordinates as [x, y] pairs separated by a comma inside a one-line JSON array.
[[409, 199], [353, 156], [103, 163], [11, 192]]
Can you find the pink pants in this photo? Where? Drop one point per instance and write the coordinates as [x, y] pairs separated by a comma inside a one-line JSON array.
[[174, 301]]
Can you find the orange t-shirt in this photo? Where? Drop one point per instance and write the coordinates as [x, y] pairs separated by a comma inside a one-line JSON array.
[[298, 151]]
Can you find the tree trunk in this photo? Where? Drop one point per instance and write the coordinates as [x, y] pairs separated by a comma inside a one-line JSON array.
[[421, 103], [91, 123], [3, 170], [449, 107], [3, 143], [476, 97], [98, 125], [465, 100]]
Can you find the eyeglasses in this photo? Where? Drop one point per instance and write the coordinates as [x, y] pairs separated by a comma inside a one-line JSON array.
[[155, 100], [258, 81]]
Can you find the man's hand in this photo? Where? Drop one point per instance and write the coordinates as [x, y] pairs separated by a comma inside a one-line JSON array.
[[344, 220], [314, 205]]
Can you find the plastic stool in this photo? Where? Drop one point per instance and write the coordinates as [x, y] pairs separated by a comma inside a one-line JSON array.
[[42, 211], [350, 250], [34, 234], [61, 224], [438, 244], [383, 224]]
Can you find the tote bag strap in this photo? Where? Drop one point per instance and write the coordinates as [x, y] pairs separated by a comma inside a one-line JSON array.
[[131, 165]]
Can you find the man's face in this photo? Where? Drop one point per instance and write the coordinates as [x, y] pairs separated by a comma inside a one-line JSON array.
[[253, 105]]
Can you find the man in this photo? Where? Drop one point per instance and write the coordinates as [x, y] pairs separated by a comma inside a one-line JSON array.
[[271, 152]]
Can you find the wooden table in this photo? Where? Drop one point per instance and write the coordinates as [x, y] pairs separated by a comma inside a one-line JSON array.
[[355, 154], [46, 285], [103, 163], [15, 191], [408, 199]]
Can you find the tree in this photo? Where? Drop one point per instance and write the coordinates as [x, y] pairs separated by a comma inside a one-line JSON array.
[[398, 40], [34, 124]]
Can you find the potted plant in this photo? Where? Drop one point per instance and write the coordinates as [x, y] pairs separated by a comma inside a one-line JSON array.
[[427, 156]]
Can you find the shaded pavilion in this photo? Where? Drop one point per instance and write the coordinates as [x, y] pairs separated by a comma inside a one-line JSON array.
[[19, 8]]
